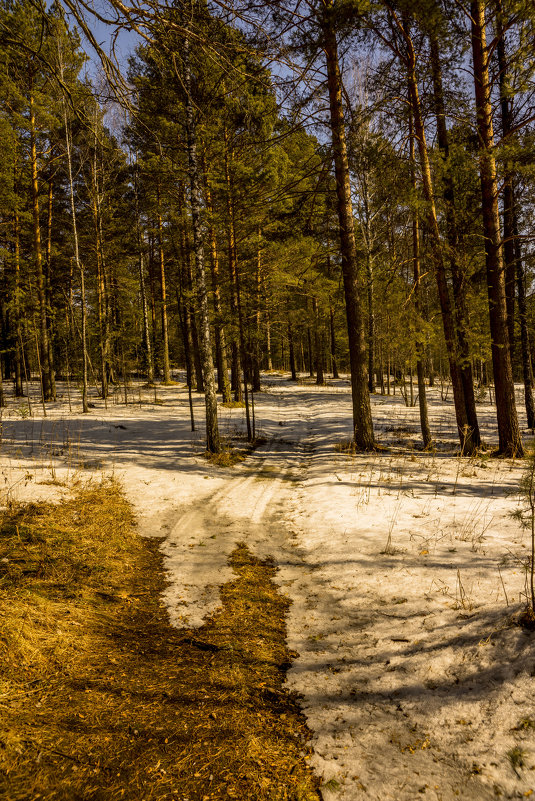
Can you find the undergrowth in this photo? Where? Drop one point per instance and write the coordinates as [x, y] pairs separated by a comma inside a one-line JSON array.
[[101, 699]]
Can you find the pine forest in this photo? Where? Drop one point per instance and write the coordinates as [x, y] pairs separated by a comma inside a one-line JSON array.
[[267, 333]]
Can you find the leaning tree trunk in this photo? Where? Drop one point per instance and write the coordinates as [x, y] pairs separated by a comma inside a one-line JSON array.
[[212, 430], [362, 417], [510, 442]]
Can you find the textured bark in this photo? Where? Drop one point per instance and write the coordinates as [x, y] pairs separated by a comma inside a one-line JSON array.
[[510, 442], [457, 273], [512, 253], [420, 345], [291, 348], [213, 444], [232, 267], [463, 426], [362, 417], [223, 384], [102, 295], [77, 260], [47, 379], [163, 287], [527, 370], [19, 391], [508, 185]]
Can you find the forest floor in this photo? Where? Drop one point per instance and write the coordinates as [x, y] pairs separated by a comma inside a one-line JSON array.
[[404, 570]]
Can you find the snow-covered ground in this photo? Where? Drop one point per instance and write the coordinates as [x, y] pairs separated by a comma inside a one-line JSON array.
[[404, 569]]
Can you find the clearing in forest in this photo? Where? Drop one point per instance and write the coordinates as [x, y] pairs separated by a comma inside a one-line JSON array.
[[403, 571]]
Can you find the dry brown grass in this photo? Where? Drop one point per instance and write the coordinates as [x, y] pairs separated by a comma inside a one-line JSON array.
[[101, 699], [231, 455]]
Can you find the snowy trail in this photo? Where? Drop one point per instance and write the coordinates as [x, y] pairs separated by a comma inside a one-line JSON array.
[[403, 569], [249, 507], [382, 680]]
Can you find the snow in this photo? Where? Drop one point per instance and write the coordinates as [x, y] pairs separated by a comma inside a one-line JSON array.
[[404, 569]]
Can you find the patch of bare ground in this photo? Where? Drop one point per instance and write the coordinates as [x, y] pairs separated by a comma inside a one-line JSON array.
[[100, 698]]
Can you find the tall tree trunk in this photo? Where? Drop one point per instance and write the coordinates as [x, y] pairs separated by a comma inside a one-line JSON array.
[[213, 444], [318, 344], [232, 266], [291, 348], [510, 442], [77, 260], [163, 287], [508, 182], [19, 390], [258, 315], [102, 302], [527, 369], [362, 417], [512, 253], [465, 431], [458, 277], [152, 299], [47, 379], [420, 345], [223, 384]]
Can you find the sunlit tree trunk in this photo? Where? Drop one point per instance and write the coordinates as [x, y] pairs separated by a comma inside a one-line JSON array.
[[362, 418], [510, 442], [458, 278], [47, 378], [464, 429], [213, 444], [422, 396]]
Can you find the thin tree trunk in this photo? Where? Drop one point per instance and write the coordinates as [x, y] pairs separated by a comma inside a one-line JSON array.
[[362, 417], [463, 426], [213, 444], [458, 279], [510, 442], [163, 286], [47, 377], [291, 348], [512, 253], [527, 369], [19, 391], [422, 396], [79, 265], [223, 383]]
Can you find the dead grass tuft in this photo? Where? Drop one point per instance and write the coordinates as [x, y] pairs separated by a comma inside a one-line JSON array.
[[230, 455], [101, 699], [527, 619]]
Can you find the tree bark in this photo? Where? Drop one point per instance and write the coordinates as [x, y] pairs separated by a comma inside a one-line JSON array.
[[47, 378], [213, 444], [223, 384], [77, 260], [463, 426], [362, 417], [510, 442], [422, 396], [457, 273], [163, 287]]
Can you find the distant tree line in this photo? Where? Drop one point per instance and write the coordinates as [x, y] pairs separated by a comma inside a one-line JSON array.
[[365, 205]]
